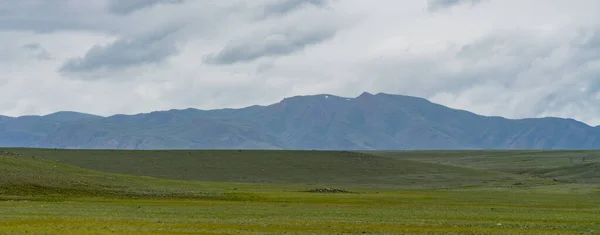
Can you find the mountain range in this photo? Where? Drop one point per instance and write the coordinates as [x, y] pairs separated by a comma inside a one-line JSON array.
[[320, 122]]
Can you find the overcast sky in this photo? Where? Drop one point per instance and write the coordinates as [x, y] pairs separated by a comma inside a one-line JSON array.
[[513, 58]]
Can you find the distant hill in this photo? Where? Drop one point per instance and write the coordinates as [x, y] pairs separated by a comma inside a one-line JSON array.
[[334, 168], [585, 172], [67, 116], [5, 118], [33, 177], [367, 122]]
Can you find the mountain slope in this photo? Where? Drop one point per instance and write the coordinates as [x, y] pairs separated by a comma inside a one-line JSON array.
[[380, 122], [5, 118]]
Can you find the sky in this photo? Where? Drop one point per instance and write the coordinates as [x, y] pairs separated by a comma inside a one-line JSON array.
[[511, 58]]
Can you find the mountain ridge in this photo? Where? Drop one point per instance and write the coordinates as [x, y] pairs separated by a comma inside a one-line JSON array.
[[327, 122]]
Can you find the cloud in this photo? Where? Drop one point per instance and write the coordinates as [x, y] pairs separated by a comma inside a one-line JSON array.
[[275, 44], [38, 50], [435, 5], [525, 73], [150, 48], [31, 46], [282, 7], [120, 7], [113, 17], [49, 16], [494, 59]]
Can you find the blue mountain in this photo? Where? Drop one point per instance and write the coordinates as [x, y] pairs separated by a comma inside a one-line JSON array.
[[369, 121]]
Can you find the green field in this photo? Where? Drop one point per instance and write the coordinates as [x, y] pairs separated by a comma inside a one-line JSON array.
[[47, 191], [569, 166]]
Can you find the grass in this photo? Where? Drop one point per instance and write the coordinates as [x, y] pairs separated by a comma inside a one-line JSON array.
[[422, 212], [110, 192], [585, 173], [564, 165], [32, 178], [282, 167]]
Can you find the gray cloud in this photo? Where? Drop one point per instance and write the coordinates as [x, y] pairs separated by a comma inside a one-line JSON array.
[[282, 7], [273, 45], [472, 60], [588, 46], [434, 5], [38, 50], [519, 74], [121, 7], [31, 46], [153, 47], [49, 16], [42, 16]]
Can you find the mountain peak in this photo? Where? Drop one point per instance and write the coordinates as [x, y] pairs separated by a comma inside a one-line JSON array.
[[316, 98], [364, 94], [67, 113], [5, 117], [70, 116], [322, 121]]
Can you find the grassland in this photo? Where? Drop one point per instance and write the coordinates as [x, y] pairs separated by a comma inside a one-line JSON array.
[[45, 191], [423, 212], [340, 168], [36, 179], [571, 166]]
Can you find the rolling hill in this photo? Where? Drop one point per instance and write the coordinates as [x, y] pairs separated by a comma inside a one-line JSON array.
[[325, 168], [320, 122], [35, 177], [43, 191], [570, 166], [585, 173]]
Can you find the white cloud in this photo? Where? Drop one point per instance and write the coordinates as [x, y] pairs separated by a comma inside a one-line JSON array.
[[514, 58], [435, 5]]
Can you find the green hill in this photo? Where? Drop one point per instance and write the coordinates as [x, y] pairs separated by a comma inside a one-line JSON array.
[[332, 168], [573, 166], [583, 173], [42, 194], [30, 176]]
